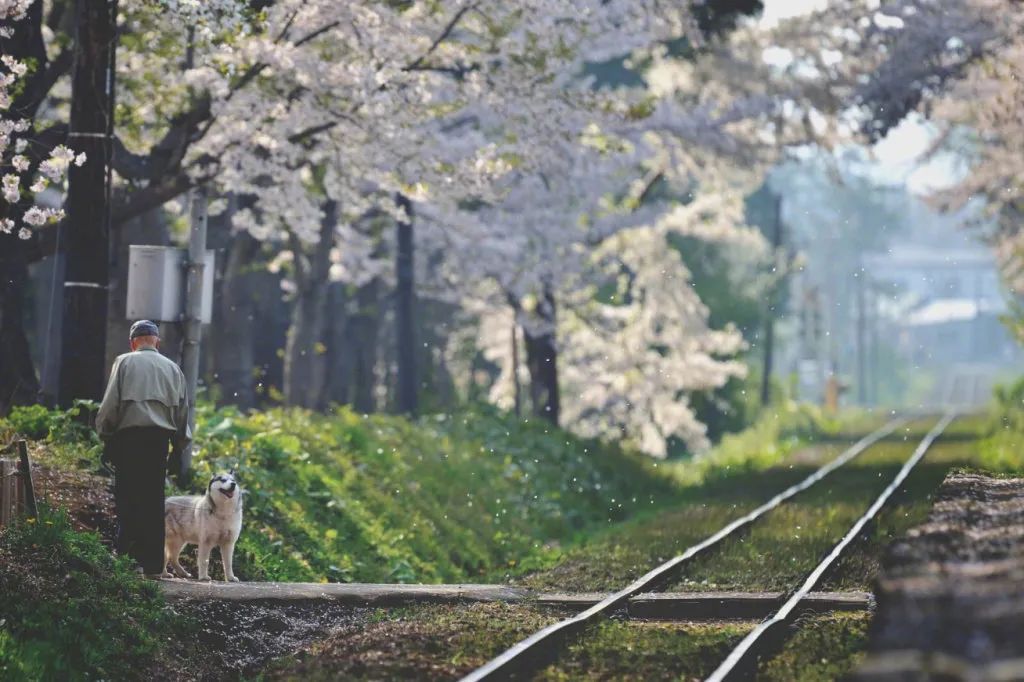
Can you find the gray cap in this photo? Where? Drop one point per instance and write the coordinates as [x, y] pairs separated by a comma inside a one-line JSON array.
[[144, 328]]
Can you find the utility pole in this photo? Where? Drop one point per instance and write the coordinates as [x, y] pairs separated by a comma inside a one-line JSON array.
[[195, 267], [873, 369], [862, 367], [405, 302], [87, 227], [773, 301]]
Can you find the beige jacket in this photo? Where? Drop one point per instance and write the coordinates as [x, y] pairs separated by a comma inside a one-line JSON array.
[[145, 389]]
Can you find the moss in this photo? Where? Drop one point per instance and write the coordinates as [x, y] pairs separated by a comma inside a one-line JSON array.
[[825, 647], [782, 547], [638, 650], [449, 641]]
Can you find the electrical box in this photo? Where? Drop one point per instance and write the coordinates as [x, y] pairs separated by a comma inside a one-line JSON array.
[[156, 284]]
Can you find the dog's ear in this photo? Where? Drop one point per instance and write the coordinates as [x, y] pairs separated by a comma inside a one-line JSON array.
[[232, 473]]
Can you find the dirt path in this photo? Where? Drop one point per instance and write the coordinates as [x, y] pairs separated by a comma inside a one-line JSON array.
[[951, 595]]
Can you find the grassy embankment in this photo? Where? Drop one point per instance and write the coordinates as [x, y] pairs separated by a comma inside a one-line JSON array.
[[70, 610], [343, 497]]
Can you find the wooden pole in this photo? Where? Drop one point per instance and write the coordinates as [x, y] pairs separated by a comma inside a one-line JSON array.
[[6, 492], [28, 489], [861, 341], [193, 315], [771, 312]]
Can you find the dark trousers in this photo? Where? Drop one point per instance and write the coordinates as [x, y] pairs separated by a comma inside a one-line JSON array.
[[139, 456]]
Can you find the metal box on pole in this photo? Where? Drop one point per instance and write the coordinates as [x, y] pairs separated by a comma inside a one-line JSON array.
[[156, 284]]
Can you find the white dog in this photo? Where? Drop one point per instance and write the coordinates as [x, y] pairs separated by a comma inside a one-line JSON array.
[[210, 520]]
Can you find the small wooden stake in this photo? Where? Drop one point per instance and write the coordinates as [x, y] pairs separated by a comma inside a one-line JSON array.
[[8, 491], [26, 479]]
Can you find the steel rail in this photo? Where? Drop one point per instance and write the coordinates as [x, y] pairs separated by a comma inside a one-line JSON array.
[[738, 657], [519, 657]]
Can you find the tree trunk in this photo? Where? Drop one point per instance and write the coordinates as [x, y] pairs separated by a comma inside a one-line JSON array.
[[234, 351], [18, 382], [405, 303], [516, 390], [304, 370], [365, 330], [434, 319], [542, 361], [339, 348], [84, 332]]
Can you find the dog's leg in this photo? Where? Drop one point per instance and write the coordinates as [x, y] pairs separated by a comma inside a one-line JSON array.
[[167, 557], [174, 548], [227, 552], [203, 560]]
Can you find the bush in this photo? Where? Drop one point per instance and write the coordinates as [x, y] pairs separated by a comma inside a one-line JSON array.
[[71, 610], [778, 431], [74, 425], [1002, 451], [30, 421]]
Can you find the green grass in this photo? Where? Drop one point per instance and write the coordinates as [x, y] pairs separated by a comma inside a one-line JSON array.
[[429, 642], [781, 548], [346, 497], [638, 650], [72, 611], [824, 648], [775, 435], [1002, 450], [611, 558], [446, 642]]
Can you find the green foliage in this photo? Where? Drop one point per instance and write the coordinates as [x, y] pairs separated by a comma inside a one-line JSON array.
[[776, 433], [66, 426], [731, 300], [347, 497], [729, 409], [30, 421], [1003, 450], [71, 610]]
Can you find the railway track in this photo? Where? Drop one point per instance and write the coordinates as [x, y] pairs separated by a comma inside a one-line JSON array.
[[544, 646]]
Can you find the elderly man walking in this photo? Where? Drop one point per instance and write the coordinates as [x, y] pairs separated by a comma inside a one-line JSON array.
[[144, 412]]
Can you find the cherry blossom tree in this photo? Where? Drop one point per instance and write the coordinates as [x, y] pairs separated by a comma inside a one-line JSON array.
[[316, 115]]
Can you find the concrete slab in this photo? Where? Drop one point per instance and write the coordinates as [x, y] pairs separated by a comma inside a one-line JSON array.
[[662, 605]]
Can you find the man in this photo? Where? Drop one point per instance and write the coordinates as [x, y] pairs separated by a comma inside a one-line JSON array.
[[144, 411]]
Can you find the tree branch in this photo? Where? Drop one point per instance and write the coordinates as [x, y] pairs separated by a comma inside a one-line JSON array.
[[449, 27]]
